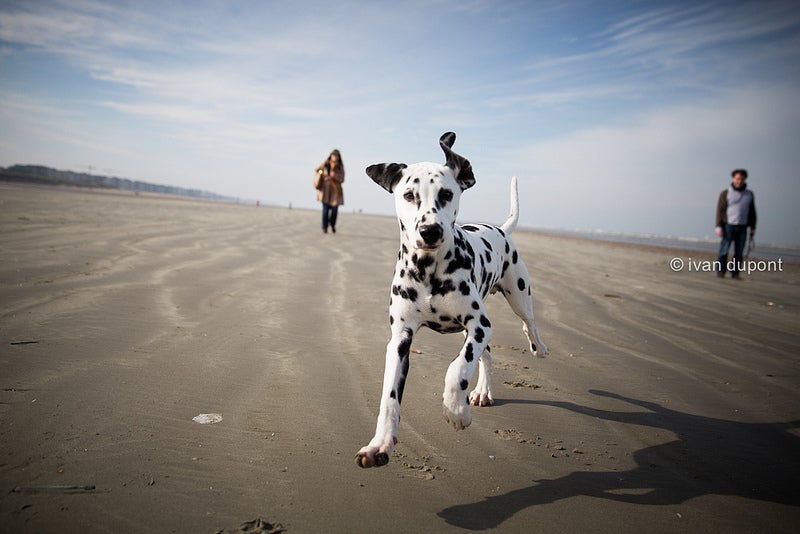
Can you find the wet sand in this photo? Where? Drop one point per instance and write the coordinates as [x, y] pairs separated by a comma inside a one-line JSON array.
[[669, 402]]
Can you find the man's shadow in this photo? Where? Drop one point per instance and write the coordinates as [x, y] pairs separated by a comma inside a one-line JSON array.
[[710, 456]]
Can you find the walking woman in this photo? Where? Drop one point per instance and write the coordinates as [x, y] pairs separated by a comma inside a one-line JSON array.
[[328, 181]]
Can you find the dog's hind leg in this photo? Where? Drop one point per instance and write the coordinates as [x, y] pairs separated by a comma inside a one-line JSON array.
[[379, 449], [482, 394], [517, 291]]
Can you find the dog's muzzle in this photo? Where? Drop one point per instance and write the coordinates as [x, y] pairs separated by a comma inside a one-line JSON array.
[[431, 235]]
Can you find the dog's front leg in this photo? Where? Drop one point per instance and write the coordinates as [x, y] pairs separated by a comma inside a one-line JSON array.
[[455, 401], [380, 447]]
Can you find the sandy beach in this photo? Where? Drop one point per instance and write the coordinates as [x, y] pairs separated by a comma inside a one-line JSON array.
[[670, 401]]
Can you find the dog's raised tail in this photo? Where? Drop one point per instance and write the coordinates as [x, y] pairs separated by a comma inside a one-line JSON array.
[[513, 217]]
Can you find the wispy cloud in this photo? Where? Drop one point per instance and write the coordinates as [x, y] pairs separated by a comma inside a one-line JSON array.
[[681, 46]]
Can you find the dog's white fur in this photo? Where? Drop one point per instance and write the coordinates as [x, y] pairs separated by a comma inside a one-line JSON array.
[[442, 276]]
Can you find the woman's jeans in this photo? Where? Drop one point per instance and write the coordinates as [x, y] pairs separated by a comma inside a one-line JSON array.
[[329, 214], [735, 234]]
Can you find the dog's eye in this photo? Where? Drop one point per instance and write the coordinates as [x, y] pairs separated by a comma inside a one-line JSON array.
[[445, 196], [409, 196]]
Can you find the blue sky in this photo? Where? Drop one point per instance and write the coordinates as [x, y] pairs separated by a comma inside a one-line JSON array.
[[619, 116]]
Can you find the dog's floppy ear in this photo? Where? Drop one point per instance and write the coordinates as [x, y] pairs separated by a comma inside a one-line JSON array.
[[462, 169], [386, 175]]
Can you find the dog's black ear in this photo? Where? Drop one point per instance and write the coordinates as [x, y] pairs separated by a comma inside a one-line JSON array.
[[386, 175], [462, 169]]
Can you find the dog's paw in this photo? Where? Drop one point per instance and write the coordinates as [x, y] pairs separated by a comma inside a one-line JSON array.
[[375, 455], [541, 351], [458, 415], [371, 457], [481, 398]]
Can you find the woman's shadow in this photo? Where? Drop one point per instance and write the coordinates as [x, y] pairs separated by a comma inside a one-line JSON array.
[[711, 456]]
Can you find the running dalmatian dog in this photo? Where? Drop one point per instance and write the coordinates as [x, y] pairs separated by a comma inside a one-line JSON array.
[[443, 274]]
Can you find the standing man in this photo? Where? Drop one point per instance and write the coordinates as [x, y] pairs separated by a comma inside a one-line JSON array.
[[736, 211]]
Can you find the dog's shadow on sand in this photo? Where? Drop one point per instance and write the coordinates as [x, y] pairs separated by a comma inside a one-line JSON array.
[[710, 456]]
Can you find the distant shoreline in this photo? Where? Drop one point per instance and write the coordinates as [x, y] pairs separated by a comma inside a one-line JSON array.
[[43, 175]]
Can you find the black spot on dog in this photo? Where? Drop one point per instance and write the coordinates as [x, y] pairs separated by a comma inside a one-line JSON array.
[[508, 247], [403, 349], [505, 266], [408, 293], [521, 284], [475, 305], [444, 197], [459, 262], [478, 335], [421, 263], [445, 319], [470, 228], [486, 244], [393, 394], [485, 321], [441, 287], [464, 288], [463, 384], [515, 257], [405, 343], [468, 353]]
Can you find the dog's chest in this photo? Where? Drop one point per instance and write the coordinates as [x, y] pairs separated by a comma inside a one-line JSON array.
[[443, 291]]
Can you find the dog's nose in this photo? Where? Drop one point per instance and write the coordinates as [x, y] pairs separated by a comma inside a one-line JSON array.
[[431, 233]]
